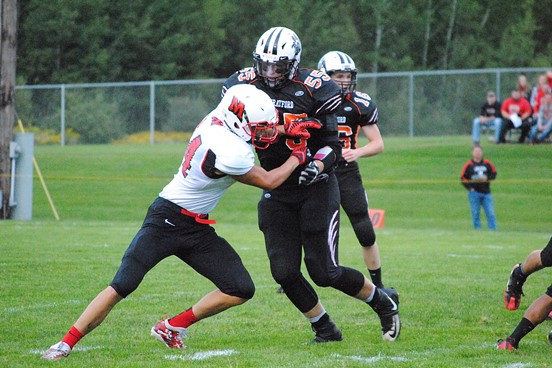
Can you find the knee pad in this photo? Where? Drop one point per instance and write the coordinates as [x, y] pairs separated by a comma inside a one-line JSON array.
[[546, 254], [350, 281], [244, 290], [321, 280], [364, 231]]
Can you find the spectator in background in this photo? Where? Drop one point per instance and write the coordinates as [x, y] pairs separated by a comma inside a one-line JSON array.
[[541, 83], [488, 117], [541, 307], [516, 112], [542, 90], [476, 176], [524, 87], [542, 129]]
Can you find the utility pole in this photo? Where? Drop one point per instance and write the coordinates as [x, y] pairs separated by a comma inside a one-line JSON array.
[[8, 50]]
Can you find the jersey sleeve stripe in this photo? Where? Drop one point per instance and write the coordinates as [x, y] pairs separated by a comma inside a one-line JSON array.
[[330, 105]]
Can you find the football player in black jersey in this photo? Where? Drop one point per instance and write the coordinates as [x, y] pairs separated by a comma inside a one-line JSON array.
[[357, 112], [302, 215]]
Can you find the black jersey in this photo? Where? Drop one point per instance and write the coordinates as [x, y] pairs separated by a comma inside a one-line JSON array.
[[357, 110], [311, 93], [473, 171]]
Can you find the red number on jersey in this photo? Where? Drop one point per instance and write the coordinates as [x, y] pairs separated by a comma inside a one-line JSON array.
[[345, 133], [293, 143], [189, 154], [246, 76], [315, 79]]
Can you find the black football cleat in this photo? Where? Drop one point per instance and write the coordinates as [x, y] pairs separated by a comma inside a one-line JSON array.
[[327, 332], [387, 308], [514, 289]]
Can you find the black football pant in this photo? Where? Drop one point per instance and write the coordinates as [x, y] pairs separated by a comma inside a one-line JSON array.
[[305, 219], [166, 232], [355, 202]]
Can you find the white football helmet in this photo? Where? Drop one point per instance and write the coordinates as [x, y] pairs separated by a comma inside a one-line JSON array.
[[279, 47], [249, 113], [337, 61]]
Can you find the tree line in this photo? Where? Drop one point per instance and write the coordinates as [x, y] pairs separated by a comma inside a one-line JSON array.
[[89, 41]]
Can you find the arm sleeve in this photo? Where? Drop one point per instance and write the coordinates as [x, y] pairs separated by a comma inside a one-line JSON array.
[[330, 151]]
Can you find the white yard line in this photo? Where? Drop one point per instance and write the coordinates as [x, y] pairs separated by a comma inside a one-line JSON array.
[[202, 355]]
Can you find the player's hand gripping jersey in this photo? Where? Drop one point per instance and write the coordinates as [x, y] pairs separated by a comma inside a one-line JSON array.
[[213, 153], [311, 93]]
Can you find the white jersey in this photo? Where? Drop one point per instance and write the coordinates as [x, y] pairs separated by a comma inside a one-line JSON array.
[[199, 184]]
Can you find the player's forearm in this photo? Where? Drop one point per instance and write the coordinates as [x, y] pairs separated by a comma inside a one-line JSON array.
[[280, 174], [371, 149], [263, 179]]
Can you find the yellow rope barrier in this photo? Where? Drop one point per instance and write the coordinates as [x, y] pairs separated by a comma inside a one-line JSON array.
[[39, 173]]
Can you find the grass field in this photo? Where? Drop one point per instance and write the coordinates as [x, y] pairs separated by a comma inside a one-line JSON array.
[[450, 277]]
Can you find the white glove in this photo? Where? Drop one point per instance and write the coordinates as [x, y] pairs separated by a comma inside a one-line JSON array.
[[311, 174]]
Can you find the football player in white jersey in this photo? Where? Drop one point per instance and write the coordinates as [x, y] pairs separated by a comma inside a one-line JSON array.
[[177, 223]]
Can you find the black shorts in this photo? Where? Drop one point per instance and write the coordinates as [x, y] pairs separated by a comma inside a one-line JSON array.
[[166, 232], [546, 254]]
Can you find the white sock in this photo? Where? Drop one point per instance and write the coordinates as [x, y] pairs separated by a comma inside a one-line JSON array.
[[369, 299], [317, 318]]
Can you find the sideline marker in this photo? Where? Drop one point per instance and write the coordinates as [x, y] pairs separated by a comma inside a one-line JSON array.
[[377, 217]]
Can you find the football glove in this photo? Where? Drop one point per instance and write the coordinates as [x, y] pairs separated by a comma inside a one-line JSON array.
[[302, 153], [298, 127], [311, 174]]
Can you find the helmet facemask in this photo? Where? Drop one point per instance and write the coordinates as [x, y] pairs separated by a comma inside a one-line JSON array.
[[274, 74], [263, 134], [346, 86]]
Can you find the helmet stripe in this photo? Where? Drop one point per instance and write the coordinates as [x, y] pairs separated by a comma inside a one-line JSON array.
[[344, 58], [275, 44]]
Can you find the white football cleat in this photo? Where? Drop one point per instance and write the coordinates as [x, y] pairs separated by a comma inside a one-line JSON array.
[[57, 351], [169, 335]]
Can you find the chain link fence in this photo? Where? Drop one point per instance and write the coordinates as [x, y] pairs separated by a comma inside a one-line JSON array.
[[410, 103]]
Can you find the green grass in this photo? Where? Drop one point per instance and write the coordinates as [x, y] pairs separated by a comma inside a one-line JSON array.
[[450, 277]]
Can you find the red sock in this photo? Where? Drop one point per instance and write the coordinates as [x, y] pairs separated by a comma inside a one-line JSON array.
[[184, 319], [72, 337]]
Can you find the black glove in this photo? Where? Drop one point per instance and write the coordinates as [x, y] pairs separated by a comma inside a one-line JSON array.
[[311, 174]]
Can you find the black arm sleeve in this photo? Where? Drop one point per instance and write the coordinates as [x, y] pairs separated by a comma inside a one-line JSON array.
[[330, 148]]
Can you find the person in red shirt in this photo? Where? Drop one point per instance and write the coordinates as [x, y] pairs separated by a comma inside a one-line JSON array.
[[516, 112]]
